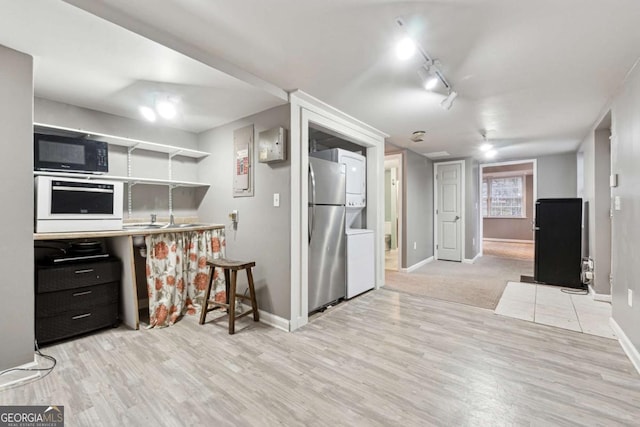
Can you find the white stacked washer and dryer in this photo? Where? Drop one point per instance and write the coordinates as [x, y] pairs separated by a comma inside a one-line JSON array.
[[357, 271]]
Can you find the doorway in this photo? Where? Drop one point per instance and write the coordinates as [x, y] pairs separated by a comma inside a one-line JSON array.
[[393, 212], [449, 196], [507, 197]]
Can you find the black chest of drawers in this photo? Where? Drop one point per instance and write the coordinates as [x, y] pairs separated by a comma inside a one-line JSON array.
[[76, 298]]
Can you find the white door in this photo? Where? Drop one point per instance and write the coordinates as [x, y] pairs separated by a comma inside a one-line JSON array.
[[449, 211]]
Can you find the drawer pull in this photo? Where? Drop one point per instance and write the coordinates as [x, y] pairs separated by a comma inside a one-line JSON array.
[[81, 316], [79, 294], [88, 270]]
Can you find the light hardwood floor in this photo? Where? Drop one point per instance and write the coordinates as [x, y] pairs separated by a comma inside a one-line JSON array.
[[385, 358]]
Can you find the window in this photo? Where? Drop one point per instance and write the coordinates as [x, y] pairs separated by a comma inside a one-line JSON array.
[[503, 197]]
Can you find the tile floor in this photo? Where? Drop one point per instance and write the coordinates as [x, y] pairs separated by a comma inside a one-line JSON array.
[[548, 305]]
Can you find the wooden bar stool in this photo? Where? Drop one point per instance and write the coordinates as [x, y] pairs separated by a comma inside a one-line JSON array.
[[230, 275]]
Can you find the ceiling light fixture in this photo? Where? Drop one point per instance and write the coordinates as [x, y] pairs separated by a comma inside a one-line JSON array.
[[148, 113], [486, 147], [166, 109], [490, 154], [428, 77], [405, 48], [430, 71]]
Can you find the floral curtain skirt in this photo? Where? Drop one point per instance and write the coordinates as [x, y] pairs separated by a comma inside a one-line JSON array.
[[178, 275]]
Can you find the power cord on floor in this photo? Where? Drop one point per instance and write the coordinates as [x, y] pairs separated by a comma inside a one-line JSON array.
[[581, 291], [44, 356]]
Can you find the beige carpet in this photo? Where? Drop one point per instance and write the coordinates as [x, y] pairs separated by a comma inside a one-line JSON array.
[[480, 284], [515, 250]]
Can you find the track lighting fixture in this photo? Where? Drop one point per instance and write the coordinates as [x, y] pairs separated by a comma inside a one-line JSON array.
[[405, 48], [448, 101], [428, 77], [429, 72]]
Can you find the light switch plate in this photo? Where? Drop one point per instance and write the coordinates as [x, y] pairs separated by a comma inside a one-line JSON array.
[[630, 297], [613, 180], [276, 199], [617, 203]]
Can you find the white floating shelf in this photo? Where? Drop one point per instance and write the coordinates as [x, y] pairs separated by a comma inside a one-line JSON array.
[[127, 179], [126, 142]]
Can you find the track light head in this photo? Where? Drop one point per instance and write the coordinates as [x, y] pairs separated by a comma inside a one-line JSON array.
[[428, 77], [448, 101]]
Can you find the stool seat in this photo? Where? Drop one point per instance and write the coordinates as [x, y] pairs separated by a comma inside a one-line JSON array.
[[231, 264], [231, 269]]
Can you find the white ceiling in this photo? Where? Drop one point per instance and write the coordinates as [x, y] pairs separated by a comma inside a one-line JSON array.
[[536, 74], [83, 60]]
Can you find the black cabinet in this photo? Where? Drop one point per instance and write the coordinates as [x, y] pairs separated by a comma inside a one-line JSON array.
[[76, 298], [558, 239]]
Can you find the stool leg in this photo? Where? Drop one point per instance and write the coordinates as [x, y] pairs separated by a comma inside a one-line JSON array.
[[252, 294], [232, 302], [205, 304], [227, 284]]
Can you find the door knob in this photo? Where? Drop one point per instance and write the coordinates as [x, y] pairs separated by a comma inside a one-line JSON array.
[[456, 218]]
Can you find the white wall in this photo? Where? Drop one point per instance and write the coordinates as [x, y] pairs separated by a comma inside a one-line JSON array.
[[263, 233], [16, 216], [625, 156]]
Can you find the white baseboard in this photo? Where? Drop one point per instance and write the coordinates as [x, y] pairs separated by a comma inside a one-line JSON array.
[[599, 297], [16, 377], [471, 261], [270, 319], [491, 239], [627, 345], [417, 265]]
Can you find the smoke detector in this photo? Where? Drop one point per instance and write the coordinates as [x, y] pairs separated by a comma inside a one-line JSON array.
[[417, 136]]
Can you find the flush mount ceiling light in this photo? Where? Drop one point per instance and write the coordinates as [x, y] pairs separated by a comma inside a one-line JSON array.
[[429, 72], [166, 108], [163, 106], [147, 113], [486, 147]]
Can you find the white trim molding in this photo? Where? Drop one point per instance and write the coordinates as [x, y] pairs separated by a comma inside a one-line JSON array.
[[472, 260], [270, 319], [417, 265], [626, 344], [18, 377], [306, 110], [491, 239], [463, 204], [599, 297]]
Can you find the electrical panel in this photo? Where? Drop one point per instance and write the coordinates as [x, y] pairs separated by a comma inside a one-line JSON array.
[[272, 145]]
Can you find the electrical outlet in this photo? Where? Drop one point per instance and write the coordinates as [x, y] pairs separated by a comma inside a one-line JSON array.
[[630, 297], [415, 245], [276, 199], [616, 203]]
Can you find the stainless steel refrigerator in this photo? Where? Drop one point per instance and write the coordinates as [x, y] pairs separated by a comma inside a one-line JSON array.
[[327, 261]]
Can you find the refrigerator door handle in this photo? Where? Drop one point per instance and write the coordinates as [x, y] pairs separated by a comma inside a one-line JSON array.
[[312, 217], [536, 228]]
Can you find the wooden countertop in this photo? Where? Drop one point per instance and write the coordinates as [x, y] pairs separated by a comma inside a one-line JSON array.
[[117, 233]]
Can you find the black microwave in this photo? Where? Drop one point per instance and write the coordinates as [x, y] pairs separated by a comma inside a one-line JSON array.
[[62, 153]]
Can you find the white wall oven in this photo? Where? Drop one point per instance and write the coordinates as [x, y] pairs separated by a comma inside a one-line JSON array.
[[75, 204]]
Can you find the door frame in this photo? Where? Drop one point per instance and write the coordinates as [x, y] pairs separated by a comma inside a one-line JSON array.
[[481, 175], [399, 158], [463, 202], [305, 109]]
